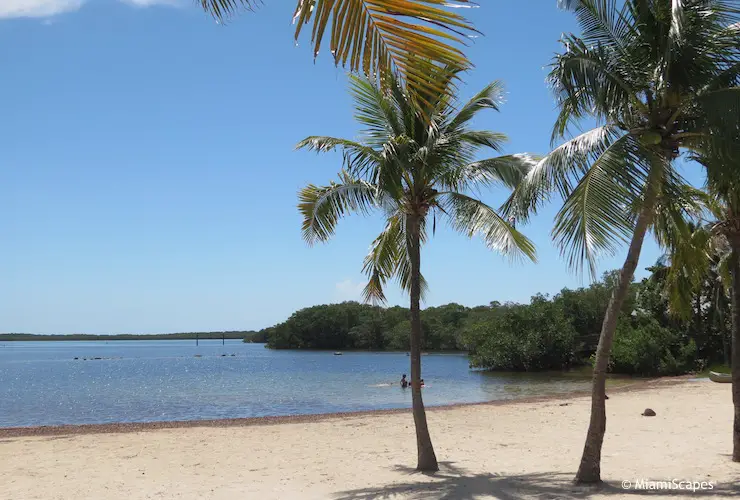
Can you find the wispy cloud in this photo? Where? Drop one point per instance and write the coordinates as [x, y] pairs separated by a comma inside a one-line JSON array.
[[37, 8], [348, 290], [149, 3], [50, 8]]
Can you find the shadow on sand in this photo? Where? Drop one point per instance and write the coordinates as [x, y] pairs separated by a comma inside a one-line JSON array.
[[454, 483]]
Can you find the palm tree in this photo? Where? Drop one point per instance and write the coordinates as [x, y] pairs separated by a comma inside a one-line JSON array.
[[378, 36], [715, 249], [414, 165], [661, 77]]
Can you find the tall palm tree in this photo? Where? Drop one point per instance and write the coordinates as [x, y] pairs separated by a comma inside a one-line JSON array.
[[415, 165], [378, 36], [660, 77], [716, 249]]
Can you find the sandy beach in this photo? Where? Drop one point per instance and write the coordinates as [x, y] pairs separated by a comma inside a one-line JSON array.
[[512, 450]]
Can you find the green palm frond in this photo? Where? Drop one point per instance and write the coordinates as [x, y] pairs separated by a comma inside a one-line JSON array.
[[490, 97], [690, 263], [596, 217], [410, 37], [559, 170], [388, 258], [722, 108], [679, 209], [376, 111], [483, 138], [322, 207], [604, 23], [585, 80], [381, 262], [508, 170], [357, 157], [223, 9], [474, 218]]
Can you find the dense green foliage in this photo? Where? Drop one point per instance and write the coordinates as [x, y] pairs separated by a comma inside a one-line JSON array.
[[546, 334], [537, 336], [644, 347]]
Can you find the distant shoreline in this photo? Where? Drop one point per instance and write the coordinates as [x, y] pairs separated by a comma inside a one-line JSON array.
[[32, 337], [128, 427]]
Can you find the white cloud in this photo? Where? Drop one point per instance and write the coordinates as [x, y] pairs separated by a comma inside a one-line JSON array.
[[49, 8], [348, 290], [37, 8], [149, 3]]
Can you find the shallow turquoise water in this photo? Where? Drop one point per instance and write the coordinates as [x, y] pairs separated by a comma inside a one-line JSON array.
[[140, 381]]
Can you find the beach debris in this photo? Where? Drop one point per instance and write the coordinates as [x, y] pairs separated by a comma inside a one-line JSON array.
[[564, 404], [648, 413]]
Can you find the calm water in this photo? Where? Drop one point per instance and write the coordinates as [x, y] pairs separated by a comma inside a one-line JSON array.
[[138, 381]]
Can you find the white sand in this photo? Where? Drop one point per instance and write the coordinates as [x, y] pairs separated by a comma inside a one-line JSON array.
[[519, 450]]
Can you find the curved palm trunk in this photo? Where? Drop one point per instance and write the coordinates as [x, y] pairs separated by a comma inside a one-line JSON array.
[[735, 360], [427, 460], [590, 469]]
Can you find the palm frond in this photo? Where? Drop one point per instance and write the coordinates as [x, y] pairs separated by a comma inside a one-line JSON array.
[[559, 170], [677, 20], [223, 9], [322, 207], [484, 138], [490, 97], [678, 212], [690, 263], [410, 37], [722, 108], [597, 216], [357, 156], [474, 218], [585, 78], [379, 36], [388, 258], [603, 23], [508, 170], [376, 110]]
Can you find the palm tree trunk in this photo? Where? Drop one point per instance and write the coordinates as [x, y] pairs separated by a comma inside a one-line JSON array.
[[590, 469], [427, 460], [735, 360]]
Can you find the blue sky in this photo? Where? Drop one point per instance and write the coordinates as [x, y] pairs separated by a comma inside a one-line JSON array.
[[148, 179]]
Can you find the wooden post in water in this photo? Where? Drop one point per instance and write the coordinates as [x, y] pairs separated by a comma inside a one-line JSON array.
[[223, 338], [196, 339]]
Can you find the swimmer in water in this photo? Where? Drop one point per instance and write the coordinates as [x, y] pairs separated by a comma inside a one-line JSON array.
[[404, 382]]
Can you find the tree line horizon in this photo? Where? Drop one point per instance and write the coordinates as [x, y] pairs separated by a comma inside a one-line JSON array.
[[555, 332]]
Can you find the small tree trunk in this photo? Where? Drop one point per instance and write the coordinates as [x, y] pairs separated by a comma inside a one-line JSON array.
[[590, 469], [427, 460], [735, 360]]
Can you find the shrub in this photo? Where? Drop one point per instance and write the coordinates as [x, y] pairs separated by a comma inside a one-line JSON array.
[[523, 337], [643, 347]]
